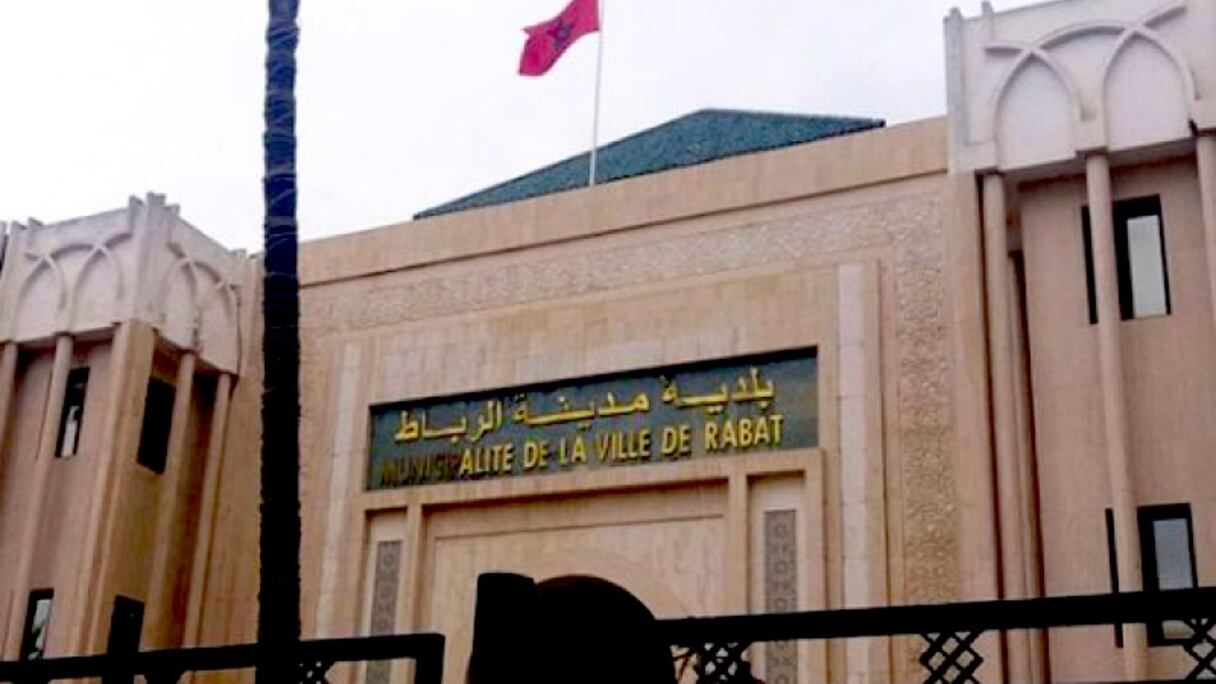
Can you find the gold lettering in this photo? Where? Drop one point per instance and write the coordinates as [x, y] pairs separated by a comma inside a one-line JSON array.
[[561, 453], [410, 430], [579, 453], [508, 458], [685, 439], [644, 443], [669, 441], [711, 436], [388, 473], [729, 438], [762, 437], [603, 444], [745, 433], [466, 464], [776, 419], [531, 455]]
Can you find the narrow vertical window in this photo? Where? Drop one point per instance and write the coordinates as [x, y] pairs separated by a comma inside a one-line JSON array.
[[126, 624], [1112, 556], [1141, 267], [154, 436], [37, 624], [1167, 556], [1140, 246], [72, 417], [1091, 290]]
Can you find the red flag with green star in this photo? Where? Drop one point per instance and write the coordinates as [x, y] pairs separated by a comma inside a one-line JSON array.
[[547, 41]]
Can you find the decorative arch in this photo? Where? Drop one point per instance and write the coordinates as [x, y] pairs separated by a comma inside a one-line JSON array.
[[46, 261], [31, 315], [1126, 33], [1144, 30], [177, 309], [1026, 55], [99, 253]]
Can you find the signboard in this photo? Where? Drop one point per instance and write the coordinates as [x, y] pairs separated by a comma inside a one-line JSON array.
[[731, 406]]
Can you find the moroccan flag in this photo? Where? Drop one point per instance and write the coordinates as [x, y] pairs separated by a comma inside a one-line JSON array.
[[547, 41]]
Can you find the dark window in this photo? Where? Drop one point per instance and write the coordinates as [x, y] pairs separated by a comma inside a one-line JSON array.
[[1167, 556], [37, 624], [1144, 288], [73, 413], [1112, 555], [1091, 289], [158, 415], [126, 624]]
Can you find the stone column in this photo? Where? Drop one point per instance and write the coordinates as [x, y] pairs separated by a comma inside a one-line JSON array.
[[89, 578], [8, 383], [1010, 518], [1032, 551], [737, 556], [1205, 152], [1114, 406], [48, 435], [207, 510], [172, 491]]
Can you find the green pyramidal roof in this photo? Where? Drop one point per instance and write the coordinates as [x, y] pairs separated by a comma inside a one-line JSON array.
[[696, 138]]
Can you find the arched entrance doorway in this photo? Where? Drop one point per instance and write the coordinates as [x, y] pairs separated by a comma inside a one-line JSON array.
[[601, 633]]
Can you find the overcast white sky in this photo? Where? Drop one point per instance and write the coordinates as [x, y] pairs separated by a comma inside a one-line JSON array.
[[404, 104]]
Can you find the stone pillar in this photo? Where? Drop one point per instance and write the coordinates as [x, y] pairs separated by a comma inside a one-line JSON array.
[[48, 435], [737, 556], [207, 510], [1205, 152], [1010, 517], [172, 491], [8, 383], [88, 581], [1114, 407], [1032, 549]]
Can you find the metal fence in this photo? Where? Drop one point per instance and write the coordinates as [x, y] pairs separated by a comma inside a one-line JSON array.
[[714, 649], [312, 658]]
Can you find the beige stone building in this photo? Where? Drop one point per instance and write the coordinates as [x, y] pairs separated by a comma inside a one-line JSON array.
[[811, 363]]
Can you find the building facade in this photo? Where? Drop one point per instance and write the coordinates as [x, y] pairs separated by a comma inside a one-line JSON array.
[[777, 363]]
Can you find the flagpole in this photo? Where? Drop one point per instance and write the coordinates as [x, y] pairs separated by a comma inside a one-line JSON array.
[[599, 77]]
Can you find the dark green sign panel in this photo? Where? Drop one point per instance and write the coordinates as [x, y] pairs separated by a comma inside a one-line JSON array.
[[732, 406]]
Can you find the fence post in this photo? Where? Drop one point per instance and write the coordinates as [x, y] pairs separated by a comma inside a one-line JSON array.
[[428, 667], [506, 606]]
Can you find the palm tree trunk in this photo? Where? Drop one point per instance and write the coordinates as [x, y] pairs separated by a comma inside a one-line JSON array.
[[279, 543]]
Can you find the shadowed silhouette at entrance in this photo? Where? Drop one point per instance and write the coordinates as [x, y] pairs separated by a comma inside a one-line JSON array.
[[566, 629]]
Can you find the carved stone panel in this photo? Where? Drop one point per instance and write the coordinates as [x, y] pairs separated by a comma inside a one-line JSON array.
[[781, 591], [384, 604]]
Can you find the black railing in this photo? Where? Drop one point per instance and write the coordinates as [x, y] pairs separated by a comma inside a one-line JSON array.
[[313, 660], [715, 648]]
